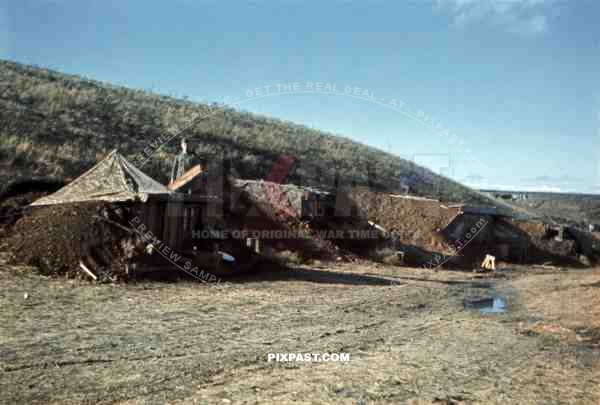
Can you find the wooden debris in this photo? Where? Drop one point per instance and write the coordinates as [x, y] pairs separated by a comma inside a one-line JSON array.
[[489, 263], [185, 178], [88, 271]]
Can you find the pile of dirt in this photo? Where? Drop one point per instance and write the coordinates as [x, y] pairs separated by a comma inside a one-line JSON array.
[[545, 242], [56, 238], [414, 220]]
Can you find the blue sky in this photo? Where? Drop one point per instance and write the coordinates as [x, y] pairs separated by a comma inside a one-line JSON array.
[[515, 80]]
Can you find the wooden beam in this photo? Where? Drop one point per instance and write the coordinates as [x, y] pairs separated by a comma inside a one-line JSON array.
[[88, 271], [185, 178]]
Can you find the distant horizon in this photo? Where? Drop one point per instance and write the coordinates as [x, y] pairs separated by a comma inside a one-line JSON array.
[[507, 190]]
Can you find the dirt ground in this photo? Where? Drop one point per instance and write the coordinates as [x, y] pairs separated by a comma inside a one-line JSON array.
[[410, 340]]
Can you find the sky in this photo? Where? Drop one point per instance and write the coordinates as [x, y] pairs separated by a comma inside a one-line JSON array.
[[498, 94]]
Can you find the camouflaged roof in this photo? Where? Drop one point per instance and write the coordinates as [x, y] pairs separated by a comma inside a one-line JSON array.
[[112, 179], [272, 194]]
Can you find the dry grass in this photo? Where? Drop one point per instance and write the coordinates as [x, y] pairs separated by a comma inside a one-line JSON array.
[[568, 302], [48, 109], [72, 342]]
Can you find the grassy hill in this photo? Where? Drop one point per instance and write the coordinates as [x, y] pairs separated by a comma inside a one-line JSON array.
[[54, 125]]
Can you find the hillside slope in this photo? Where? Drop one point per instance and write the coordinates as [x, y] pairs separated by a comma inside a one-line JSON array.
[[54, 125]]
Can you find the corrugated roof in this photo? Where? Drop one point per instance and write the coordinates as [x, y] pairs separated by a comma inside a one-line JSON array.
[[112, 179]]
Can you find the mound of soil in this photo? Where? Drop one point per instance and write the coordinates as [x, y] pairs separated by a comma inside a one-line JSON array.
[[56, 238], [416, 221]]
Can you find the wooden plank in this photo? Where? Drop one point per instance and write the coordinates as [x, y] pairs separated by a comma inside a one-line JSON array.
[[88, 271], [185, 178]]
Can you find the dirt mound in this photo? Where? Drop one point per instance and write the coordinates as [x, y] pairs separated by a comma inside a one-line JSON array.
[[546, 245], [416, 221], [56, 238]]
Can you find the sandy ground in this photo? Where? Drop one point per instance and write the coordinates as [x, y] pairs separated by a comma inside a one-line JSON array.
[[410, 341]]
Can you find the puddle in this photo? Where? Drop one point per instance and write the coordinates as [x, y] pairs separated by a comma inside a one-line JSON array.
[[498, 307], [486, 305]]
